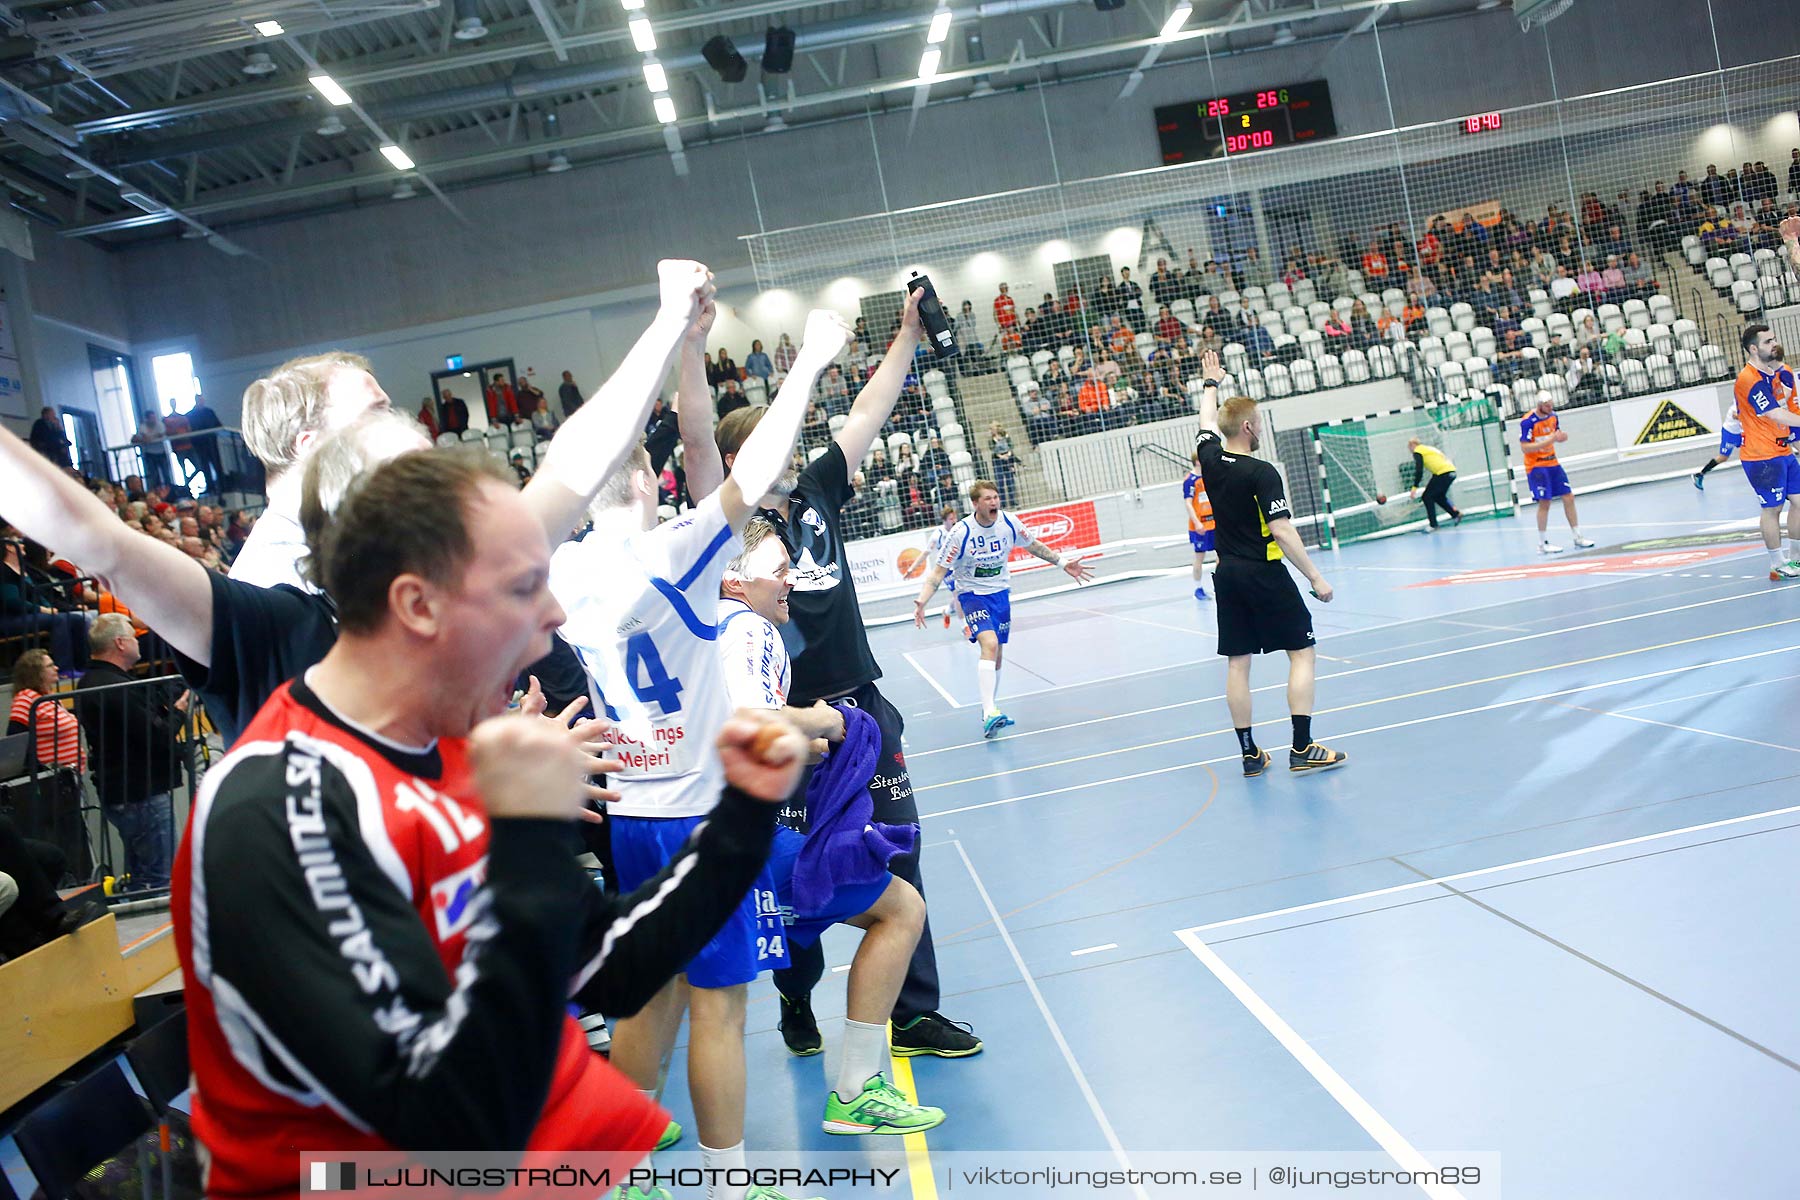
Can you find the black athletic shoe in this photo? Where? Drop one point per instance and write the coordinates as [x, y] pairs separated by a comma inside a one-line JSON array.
[[1456, 519], [1316, 758], [799, 1029], [1254, 763], [933, 1033]]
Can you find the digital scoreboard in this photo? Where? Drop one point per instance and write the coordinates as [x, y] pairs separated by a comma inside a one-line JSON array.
[[1246, 122]]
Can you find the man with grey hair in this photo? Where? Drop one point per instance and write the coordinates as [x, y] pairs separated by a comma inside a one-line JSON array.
[[131, 731]]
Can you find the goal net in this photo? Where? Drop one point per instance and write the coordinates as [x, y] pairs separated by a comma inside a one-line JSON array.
[[1367, 468]]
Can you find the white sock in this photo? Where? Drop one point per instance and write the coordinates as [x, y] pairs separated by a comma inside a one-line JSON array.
[[1576, 531], [865, 1054], [987, 677], [1793, 550], [729, 1159], [1778, 557]]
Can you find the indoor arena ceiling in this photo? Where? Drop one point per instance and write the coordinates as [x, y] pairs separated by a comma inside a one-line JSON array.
[[126, 119]]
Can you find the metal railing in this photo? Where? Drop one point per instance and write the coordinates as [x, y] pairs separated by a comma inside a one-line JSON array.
[[217, 459], [109, 774]]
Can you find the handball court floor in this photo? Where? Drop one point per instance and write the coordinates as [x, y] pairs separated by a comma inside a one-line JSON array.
[[1547, 909]]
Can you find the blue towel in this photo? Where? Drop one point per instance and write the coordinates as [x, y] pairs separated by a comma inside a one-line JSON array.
[[844, 847]]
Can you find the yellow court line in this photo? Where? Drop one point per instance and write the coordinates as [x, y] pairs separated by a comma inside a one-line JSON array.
[[918, 1154]]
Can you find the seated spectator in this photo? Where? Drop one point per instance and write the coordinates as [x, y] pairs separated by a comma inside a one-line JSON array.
[[1165, 287], [1612, 282], [1612, 346], [1258, 342], [1543, 267], [727, 367], [1167, 327], [34, 914], [1585, 378], [56, 735], [1120, 339], [713, 378], [1588, 334], [1592, 286], [1034, 333], [1639, 281], [860, 518], [1005, 463], [731, 398], [1363, 331], [1504, 323], [1412, 317], [1069, 418], [936, 479], [23, 610], [543, 421], [1039, 412], [1557, 351], [1337, 328], [1209, 339], [817, 429], [1374, 262], [1565, 291]]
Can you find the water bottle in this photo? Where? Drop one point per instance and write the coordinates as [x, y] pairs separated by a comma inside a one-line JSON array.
[[933, 317]]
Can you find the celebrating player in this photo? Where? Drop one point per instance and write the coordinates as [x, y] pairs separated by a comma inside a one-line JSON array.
[[1443, 474], [889, 910], [1260, 609], [1200, 524], [980, 548], [1767, 408], [1540, 434], [642, 602], [378, 923]]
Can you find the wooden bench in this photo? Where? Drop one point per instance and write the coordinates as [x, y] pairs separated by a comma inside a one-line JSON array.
[[64, 1000]]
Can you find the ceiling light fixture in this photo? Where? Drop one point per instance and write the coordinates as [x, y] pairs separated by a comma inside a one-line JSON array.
[[1284, 36], [940, 27], [665, 110], [632, 5], [928, 63], [270, 28], [258, 62], [331, 126], [656, 77], [328, 88], [642, 36], [404, 191], [468, 23], [559, 162], [398, 157], [1176, 20]]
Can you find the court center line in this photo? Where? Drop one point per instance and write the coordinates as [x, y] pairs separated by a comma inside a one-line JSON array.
[[1482, 872], [1404, 662], [1445, 687], [1621, 976], [918, 1154], [1056, 1033], [926, 676], [1348, 1098], [1338, 737]]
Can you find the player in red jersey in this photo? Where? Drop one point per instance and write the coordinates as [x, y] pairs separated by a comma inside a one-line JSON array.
[[378, 919]]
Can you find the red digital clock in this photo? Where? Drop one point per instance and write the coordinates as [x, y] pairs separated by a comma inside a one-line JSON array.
[[1485, 123]]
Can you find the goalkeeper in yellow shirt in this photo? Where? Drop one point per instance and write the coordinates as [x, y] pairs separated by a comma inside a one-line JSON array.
[[1429, 460]]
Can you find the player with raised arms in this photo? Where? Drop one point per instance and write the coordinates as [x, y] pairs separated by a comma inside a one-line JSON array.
[[642, 601], [979, 549]]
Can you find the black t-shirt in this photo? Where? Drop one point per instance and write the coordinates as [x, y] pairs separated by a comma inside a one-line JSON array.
[[261, 638], [1246, 494], [825, 637]]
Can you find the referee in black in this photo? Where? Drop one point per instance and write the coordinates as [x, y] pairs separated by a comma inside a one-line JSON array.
[[1260, 609]]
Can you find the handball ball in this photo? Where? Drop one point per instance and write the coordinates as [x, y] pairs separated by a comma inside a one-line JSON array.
[[1381, 497], [1561, 436]]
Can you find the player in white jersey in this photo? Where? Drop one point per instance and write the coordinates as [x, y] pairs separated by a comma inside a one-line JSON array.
[[891, 913], [979, 550], [1731, 436], [642, 603], [935, 547]]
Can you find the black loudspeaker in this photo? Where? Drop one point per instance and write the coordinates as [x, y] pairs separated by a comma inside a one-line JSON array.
[[778, 51], [724, 58], [1109, 5]]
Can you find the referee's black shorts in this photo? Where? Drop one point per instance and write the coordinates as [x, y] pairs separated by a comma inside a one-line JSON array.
[[1260, 609]]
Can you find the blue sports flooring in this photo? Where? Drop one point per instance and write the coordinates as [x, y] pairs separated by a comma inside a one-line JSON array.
[[1545, 912]]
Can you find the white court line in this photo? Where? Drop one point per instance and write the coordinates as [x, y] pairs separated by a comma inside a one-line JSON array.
[[1112, 751], [1416, 884], [1730, 737], [1056, 1033], [1348, 1098], [1704, 695], [1338, 737], [926, 675], [840, 970], [1093, 949], [1759, 593]]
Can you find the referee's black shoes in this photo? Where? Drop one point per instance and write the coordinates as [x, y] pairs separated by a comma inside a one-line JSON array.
[[933, 1034], [1316, 758]]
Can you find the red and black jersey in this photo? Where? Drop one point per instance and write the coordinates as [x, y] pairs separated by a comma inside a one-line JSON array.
[[373, 965]]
